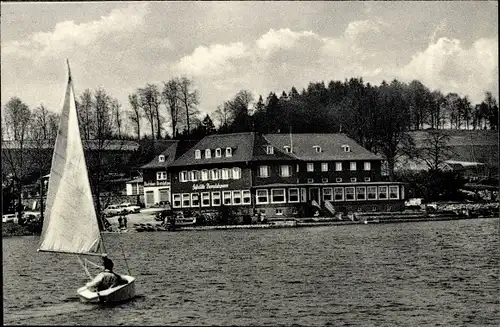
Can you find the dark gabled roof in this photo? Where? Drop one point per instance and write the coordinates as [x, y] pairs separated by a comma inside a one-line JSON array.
[[260, 151], [331, 146], [174, 150], [240, 143]]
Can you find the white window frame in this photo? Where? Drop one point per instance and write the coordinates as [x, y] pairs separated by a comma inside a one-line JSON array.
[[303, 195], [161, 158], [193, 197], [354, 179], [177, 197], [236, 174], [197, 154], [279, 212], [245, 194], [161, 175], [360, 190], [338, 166], [225, 173], [218, 153], [338, 180], [329, 189], [324, 166], [184, 176], [266, 175], [310, 166], [229, 152], [367, 179], [280, 190], [214, 174], [397, 192], [216, 196], [184, 197], [324, 180], [353, 193], [205, 175], [208, 153], [269, 149], [335, 189], [194, 175], [352, 166], [367, 165], [290, 195], [368, 192], [205, 196], [310, 180], [317, 148], [224, 198], [287, 149], [262, 191], [288, 169], [237, 195], [346, 148], [380, 188]]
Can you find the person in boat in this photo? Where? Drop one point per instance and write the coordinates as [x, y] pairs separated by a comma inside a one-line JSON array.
[[106, 279]]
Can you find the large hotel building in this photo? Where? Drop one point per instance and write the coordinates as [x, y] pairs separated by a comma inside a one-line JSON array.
[[277, 175]]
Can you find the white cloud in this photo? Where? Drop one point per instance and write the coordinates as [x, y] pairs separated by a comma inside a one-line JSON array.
[[68, 36], [281, 39], [214, 59], [451, 67]]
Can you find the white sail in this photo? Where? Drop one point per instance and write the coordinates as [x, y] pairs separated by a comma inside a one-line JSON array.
[[70, 223]]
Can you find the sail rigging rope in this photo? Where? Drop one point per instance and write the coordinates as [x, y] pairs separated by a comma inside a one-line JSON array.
[[84, 268], [124, 257]]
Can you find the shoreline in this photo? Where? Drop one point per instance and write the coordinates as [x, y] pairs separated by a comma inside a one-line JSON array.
[[11, 230]]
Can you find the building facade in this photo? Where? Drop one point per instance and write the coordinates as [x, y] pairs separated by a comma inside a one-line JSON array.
[[156, 180], [282, 175]]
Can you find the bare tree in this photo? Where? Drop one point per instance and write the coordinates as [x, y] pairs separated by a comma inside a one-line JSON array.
[[223, 115], [149, 99], [117, 117], [171, 99], [435, 150], [189, 100], [17, 121], [135, 114], [85, 109]]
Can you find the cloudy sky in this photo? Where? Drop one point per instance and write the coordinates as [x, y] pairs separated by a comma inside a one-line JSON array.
[[257, 46]]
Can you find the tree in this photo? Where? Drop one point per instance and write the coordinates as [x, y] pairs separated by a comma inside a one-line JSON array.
[[492, 110], [223, 116], [188, 99], [465, 110], [146, 103], [435, 150], [419, 100], [393, 139], [85, 114], [17, 121], [135, 114], [117, 117], [171, 99]]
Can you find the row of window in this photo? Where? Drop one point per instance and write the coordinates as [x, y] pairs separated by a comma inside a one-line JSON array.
[[218, 153], [349, 193], [281, 195], [214, 199], [212, 174], [286, 170]]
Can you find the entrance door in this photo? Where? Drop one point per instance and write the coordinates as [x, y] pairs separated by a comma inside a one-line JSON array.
[[150, 198], [164, 195], [314, 195]]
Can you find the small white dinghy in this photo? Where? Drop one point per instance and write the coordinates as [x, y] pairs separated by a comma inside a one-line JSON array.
[[70, 225]]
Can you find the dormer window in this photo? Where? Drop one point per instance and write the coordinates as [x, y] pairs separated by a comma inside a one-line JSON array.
[[346, 148], [197, 154], [317, 148], [287, 149], [218, 153], [229, 152], [208, 154], [270, 149], [161, 158]]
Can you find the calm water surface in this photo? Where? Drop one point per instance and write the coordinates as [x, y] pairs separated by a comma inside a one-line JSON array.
[[413, 274]]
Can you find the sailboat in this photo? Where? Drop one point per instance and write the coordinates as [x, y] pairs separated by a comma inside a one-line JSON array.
[[70, 225]]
